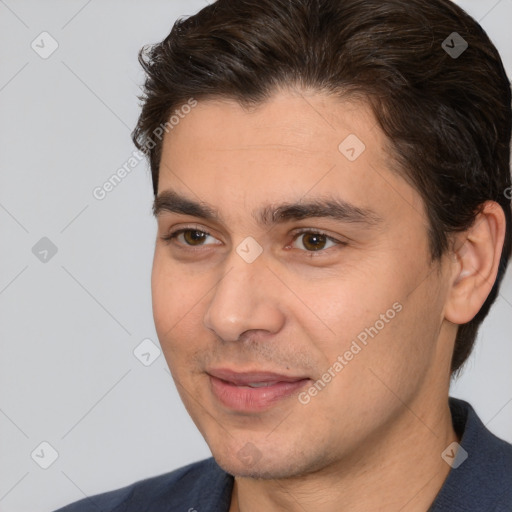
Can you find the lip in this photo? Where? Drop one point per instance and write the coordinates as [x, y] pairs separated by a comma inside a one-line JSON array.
[[230, 388]]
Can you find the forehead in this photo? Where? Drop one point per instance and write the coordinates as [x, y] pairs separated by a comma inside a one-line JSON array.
[[289, 120], [295, 144]]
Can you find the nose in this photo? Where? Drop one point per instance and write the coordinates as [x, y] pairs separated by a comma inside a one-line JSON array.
[[246, 298]]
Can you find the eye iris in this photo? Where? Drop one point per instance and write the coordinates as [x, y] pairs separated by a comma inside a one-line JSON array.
[[318, 241], [192, 237]]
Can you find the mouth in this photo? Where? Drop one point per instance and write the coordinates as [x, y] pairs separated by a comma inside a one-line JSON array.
[[253, 391]]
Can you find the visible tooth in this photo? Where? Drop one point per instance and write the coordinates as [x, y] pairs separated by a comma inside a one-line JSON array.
[[261, 384]]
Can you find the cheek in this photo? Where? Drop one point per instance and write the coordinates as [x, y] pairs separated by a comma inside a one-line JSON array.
[[398, 354], [375, 315], [175, 297], [352, 301]]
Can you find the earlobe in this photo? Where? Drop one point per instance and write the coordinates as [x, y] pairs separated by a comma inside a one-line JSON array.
[[475, 264]]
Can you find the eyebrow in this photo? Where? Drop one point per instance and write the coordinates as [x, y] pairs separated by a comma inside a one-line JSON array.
[[271, 214]]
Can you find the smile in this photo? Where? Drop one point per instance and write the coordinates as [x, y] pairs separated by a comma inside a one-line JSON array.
[[253, 391]]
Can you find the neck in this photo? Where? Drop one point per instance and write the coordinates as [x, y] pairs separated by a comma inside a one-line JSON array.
[[399, 467]]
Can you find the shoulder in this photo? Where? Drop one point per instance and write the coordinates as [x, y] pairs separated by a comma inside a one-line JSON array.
[[482, 472], [200, 486]]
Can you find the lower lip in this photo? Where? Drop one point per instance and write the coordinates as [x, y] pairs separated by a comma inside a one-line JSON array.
[[253, 399]]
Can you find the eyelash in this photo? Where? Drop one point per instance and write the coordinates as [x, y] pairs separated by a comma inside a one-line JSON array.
[[306, 231]]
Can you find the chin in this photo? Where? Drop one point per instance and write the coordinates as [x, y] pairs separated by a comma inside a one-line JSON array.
[[260, 471], [247, 462]]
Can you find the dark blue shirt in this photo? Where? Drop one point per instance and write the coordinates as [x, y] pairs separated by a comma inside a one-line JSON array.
[[482, 483]]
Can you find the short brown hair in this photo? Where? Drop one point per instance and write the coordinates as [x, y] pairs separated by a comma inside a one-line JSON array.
[[447, 117]]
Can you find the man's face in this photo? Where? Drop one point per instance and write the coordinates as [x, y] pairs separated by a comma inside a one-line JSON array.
[[295, 342]]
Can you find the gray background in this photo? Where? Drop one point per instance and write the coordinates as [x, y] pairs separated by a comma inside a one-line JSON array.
[[69, 325]]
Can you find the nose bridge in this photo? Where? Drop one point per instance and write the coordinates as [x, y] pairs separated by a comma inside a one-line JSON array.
[[243, 298]]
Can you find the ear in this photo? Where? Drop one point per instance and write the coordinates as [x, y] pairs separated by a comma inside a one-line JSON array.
[[475, 261]]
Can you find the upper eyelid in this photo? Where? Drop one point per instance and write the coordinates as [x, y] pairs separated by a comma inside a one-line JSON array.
[[189, 228], [296, 233], [300, 231]]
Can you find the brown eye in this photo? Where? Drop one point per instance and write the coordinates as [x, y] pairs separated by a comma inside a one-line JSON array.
[[312, 241], [194, 237], [188, 237]]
